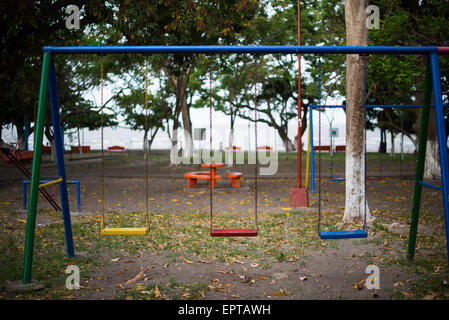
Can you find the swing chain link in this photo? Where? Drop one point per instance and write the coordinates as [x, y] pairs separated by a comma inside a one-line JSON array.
[[146, 145], [103, 222], [255, 140]]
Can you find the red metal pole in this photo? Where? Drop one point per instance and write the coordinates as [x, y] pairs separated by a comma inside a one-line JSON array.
[[443, 50], [298, 194], [299, 182]]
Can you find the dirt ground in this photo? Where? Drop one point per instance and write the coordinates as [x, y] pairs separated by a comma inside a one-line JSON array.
[[332, 270]]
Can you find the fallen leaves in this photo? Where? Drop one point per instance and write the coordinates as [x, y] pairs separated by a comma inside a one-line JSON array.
[[359, 284], [218, 288], [157, 293], [136, 278], [279, 293]]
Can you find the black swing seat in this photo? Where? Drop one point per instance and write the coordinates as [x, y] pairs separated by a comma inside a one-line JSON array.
[[343, 234]]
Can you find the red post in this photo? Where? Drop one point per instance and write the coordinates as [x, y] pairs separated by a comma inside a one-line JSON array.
[[299, 182], [298, 194], [443, 50]]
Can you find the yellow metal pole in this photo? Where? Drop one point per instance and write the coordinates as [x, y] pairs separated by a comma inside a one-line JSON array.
[[308, 156], [51, 182]]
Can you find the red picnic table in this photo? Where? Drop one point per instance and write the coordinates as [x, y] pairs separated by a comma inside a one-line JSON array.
[[212, 176]]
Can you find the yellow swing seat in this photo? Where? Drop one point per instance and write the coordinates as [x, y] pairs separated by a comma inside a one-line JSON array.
[[124, 231]]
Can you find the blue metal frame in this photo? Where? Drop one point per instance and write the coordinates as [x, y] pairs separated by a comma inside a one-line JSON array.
[[430, 186], [242, 49], [312, 157], [59, 151], [431, 51], [76, 182], [442, 144]]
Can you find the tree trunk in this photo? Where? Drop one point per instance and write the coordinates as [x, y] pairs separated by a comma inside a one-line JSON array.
[[187, 126], [432, 167], [402, 146], [356, 35], [152, 136], [79, 141], [50, 137], [392, 150], [289, 146], [20, 135], [174, 135]]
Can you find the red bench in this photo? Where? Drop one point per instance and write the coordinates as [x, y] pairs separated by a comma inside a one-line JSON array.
[[46, 149], [192, 178], [234, 178], [322, 148], [116, 149], [84, 149], [340, 148]]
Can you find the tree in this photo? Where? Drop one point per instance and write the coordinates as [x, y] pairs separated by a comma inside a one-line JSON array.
[[356, 35], [138, 118], [412, 23], [26, 28], [184, 22]]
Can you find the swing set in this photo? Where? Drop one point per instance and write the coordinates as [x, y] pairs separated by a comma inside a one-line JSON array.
[[48, 86]]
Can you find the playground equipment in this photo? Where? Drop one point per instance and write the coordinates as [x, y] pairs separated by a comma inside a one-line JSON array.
[[130, 230], [43, 183], [48, 87], [234, 178], [312, 146], [339, 234], [19, 163], [12, 158], [299, 196], [214, 232], [193, 176]]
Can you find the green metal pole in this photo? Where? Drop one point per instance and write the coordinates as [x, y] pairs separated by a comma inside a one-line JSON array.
[[35, 173], [420, 164]]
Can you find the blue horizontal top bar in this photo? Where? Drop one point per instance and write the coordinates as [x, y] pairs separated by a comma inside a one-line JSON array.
[[241, 49], [371, 106]]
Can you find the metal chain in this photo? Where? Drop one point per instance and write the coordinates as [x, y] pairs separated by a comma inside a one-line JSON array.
[[103, 222], [146, 145], [255, 139], [364, 125], [319, 144], [210, 141]]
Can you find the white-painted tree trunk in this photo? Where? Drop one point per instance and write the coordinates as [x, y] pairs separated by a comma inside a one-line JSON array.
[[231, 138], [432, 167], [392, 150], [355, 188], [356, 35], [402, 146]]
